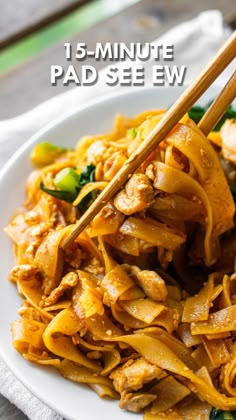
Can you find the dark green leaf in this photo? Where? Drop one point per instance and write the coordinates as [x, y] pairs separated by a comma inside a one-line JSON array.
[[61, 195], [197, 112], [222, 415], [88, 175], [230, 114], [87, 200]]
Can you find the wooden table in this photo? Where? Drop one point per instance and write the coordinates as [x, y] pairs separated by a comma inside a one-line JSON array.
[[27, 85]]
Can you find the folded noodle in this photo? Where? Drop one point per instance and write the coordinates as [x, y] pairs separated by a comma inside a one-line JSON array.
[[27, 332], [172, 181], [193, 144], [144, 309], [196, 308], [169, 392], [57, 339], [151, 231], [190, 408], [49, 258], [217, 351], [111, 356], [218, 322], [227, 378], [87, 189], [81, 374], [115, 283]]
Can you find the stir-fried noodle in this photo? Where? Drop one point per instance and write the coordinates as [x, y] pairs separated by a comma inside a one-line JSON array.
[[142, 305]]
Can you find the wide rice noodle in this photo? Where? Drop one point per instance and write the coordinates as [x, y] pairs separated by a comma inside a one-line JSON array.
[[108, 306]]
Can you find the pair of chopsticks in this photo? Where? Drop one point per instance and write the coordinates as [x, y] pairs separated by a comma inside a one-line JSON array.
[[209, 74]]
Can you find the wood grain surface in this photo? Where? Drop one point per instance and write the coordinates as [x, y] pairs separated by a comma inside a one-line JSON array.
[[9, 411], [19, 18]]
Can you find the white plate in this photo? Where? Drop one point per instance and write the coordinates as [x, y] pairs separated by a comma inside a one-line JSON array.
[[73, 401]]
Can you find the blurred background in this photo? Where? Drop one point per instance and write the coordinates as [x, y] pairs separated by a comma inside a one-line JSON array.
[[32, 34]]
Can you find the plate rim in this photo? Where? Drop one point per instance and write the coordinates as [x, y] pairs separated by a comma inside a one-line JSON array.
[[61, 119]]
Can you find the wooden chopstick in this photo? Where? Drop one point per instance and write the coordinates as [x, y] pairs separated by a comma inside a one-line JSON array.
[[209, 74], [219, 106]]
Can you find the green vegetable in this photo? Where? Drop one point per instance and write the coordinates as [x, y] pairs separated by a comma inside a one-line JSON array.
[[131, 133], [222, 415], [88, 175], [197, 112], [68, 180], [45, 153], [69, 184], [61, 195]]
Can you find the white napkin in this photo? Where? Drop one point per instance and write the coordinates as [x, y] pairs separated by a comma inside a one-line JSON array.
[[195, 42]]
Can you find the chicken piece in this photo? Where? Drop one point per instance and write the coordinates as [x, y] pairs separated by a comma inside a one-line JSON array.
[[136, 402], [137, 195], [24, 272], [74, 255], [27, 229], [134, 374], [26, 311], [228, 134], [95, 152], [68, 281], [152, 283]]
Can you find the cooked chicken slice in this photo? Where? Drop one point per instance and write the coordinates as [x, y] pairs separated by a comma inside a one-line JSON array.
[[24, 272], [228, 134], [134, 374], [68, 281], [137, 195], [29, 313], [152, 284], [136, 402], [95, 152]]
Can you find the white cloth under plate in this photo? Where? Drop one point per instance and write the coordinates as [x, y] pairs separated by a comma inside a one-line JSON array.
[[195, 42]]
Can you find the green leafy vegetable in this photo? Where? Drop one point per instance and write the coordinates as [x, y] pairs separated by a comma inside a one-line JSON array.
[[222, 415], [69, 184], [88, 175], [61, 195], [131, 133], [197, 112], [45, 153], [67, 180]]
